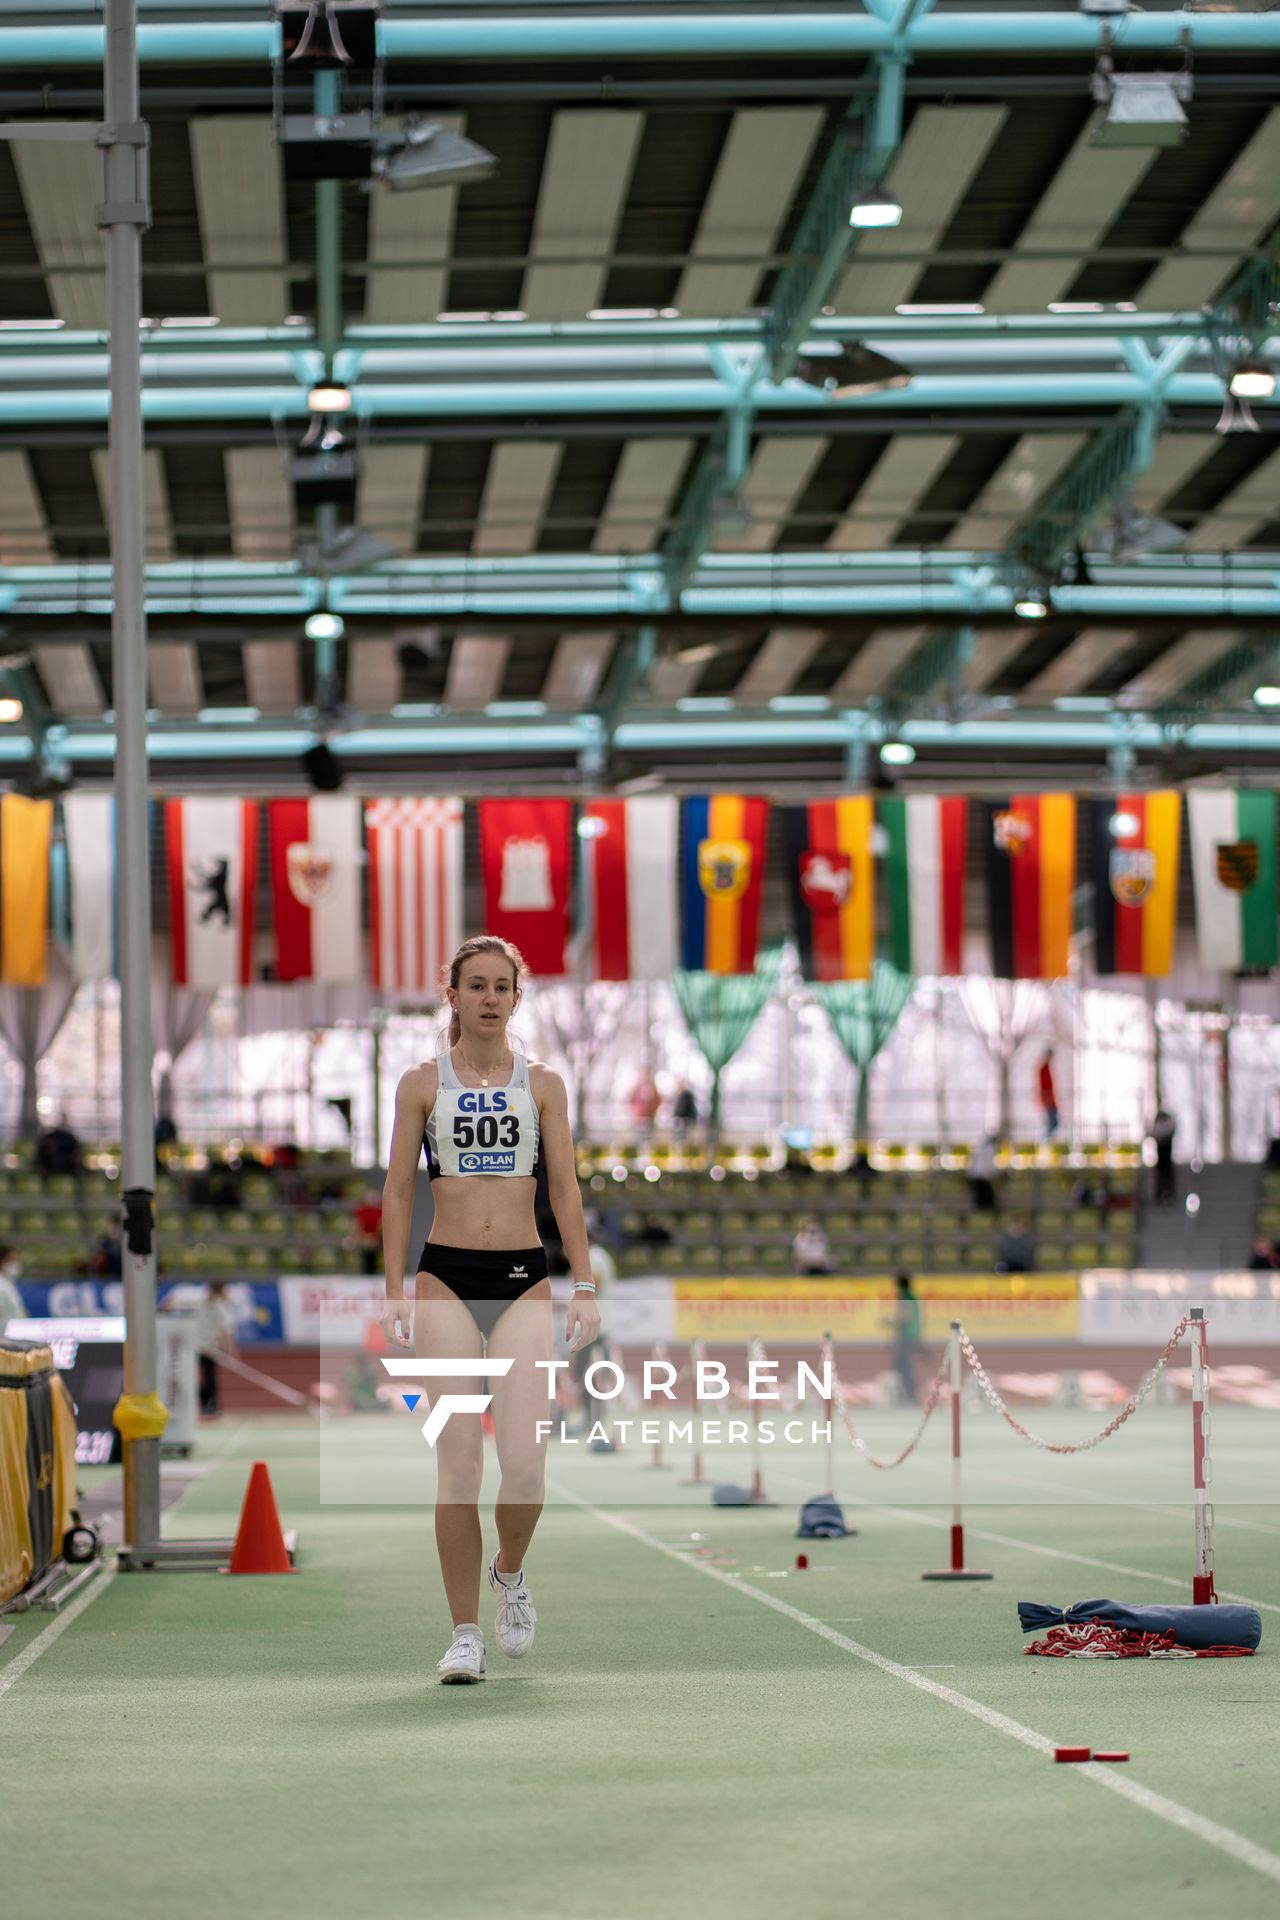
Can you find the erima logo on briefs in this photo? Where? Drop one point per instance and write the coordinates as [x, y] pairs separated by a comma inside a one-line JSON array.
[[517, 1273], [446, 1403], [487, 1162]]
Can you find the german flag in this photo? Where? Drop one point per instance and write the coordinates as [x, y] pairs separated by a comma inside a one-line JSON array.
[[1031, 874], [722, 881], [1134, 839], [26, 829], [827, 849]]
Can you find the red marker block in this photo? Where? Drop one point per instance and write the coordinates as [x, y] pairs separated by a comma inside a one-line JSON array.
[[802, 1561], [1111, 1756], [1071, 1753]]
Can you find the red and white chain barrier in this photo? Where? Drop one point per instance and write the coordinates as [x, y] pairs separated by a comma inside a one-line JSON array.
[[1130, 1407], [840, 1395], [1097, 1640]]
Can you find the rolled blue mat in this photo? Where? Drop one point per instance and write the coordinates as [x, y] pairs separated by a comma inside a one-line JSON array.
[[1219, 1625]]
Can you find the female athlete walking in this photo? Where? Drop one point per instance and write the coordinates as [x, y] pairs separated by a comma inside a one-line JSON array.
[[487, 1118]]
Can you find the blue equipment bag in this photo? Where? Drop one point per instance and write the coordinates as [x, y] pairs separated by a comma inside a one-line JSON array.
[[1219, 1625], [822, 1518]]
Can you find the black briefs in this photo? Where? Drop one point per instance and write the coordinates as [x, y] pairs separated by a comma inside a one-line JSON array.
[[487, 1282]]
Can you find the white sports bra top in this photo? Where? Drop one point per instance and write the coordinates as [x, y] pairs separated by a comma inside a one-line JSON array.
[[491, 1130]]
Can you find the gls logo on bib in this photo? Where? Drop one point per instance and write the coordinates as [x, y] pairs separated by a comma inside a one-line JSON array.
[[470, 1102]]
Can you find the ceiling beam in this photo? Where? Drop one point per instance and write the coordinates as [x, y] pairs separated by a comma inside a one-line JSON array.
[[1014, 29]]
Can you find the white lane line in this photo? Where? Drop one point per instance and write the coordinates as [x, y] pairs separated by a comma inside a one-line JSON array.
[[1047, 1553], [1225, 1839], [12, 1670]]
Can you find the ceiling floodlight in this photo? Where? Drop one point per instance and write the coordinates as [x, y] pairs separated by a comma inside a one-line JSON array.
[[329, 397], [897, 753], [427, 155], [875, 208], [350, 550], [1253, 380], [1032, 605], [10, 710], [729, 517], [854, 370], [1266, 696], [325, 626], [1132, 536], [1143, 109]]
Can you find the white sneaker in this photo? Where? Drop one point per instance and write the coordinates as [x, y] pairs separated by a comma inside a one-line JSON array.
[[464, 1662], [516, 1617]]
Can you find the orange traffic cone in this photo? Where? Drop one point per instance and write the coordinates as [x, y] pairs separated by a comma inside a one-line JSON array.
[[259, 1544]]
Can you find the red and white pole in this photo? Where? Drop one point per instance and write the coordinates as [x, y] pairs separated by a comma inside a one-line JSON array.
[[660, 1357], [829, 1362], [957, 1570], [697, 1478], [755, 1351], [1203, 1591]]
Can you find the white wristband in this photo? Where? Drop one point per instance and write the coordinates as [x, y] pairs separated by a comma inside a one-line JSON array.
[[584, 1286]]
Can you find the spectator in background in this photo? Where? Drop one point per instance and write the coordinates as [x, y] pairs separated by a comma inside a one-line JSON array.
[[215, 1326], [368, 1233], [654, 1232], [1047, 1094], [905, 1324], [58, 1150], [811, 1250], [1163, 1129], [1263, 1257], [684, 1108], [982, 1173], [106, 1262], [11, 1307], [645, 1101], [1015, 1249], [166, 1133]]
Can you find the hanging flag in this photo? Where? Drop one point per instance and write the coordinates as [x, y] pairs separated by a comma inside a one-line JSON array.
[[723, 880], [925, 863], [524, 850], [1134, 839], [1031, 876], [213, 877], [26, 831], [1233, 867], [629, 868], [827, 851], [89, 821], [315, 887], [415, 892]]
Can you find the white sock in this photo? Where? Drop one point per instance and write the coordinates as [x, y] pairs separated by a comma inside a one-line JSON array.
[[507, 1579], [471, 1627]]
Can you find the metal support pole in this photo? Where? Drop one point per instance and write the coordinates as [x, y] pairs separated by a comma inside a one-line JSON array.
[[124, 213], [328, 101], [1203, 1591]]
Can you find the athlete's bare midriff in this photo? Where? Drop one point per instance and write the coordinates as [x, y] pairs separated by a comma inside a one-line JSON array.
[[484, 1213]]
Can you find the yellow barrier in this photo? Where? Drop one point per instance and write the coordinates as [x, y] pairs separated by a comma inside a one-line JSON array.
[[1033, 1306], [37, 1464]]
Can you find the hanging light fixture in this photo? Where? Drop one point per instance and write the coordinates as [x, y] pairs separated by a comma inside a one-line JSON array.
[[855, 369]]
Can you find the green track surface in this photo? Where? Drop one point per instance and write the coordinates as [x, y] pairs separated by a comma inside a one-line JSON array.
[[198, 1746]]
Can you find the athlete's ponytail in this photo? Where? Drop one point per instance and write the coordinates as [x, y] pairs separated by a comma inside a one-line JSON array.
[[482, 943]]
